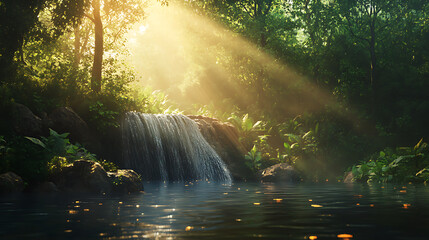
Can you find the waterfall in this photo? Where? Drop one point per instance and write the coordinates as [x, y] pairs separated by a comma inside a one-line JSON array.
[[169, 147]]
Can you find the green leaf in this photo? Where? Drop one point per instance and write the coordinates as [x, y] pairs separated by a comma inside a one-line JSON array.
[[295, 145], [256, 125], [53, 133], [418, 144], [286, 145], [36, 141], [307, 134]]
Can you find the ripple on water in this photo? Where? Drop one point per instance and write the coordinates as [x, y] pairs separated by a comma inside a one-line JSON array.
[[203, 210]]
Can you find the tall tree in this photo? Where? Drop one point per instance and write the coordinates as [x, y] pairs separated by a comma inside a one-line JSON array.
[[119, 16], [366, 21]]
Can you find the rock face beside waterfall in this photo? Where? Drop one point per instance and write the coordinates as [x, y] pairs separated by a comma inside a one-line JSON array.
[[224, 139]]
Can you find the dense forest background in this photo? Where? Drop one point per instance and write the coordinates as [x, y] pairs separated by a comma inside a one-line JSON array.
[[322, 84]]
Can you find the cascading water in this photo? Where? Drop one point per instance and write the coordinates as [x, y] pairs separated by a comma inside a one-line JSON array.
[[169, 147]]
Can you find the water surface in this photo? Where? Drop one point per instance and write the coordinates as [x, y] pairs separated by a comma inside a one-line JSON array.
[[215, 211]]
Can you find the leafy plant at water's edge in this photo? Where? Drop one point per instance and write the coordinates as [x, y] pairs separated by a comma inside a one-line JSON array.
[[253, 158], [61, 152], [404, 164]]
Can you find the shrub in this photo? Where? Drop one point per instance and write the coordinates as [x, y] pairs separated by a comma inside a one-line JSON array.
[[403, 164]]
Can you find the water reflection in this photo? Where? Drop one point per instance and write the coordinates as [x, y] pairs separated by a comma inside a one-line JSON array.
[[203, 210]]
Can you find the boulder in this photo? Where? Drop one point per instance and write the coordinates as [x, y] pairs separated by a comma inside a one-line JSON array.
[[224, 138], [64, 119], [24, 122], [348, 177], [46, 187], [11, 183], [281, 172], [83, 176], [90, 177], [125, 181]]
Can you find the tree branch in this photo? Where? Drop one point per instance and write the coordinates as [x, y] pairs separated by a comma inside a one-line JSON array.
[[89, 17]]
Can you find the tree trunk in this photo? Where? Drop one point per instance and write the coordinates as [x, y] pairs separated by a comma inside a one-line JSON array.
[[373, 58], [98, 50]]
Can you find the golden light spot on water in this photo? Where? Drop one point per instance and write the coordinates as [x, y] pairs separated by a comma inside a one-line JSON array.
[[225, 193], [316, 205], [77, 206], [137, 206], [257, 192], [186, 185], [120, 202], [403, 191], [100, 204], [238, 189], [86, 210], [256, 203], [357, 204], [102, 234], [278, 200], [238, 220], [137, 220], [72, 212], [310, 200], [327, 180], [68, 220], [358, 196], [382, 187], [344, 236], [312, 237], [247, 190], [404, 187], [189, 228], [77, 202], [371, 205], [68, 231], [406, 205]]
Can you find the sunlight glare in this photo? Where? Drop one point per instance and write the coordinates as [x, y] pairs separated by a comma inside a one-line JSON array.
[[196, 60]]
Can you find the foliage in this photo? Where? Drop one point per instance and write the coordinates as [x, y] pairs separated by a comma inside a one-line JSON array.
[[34, 159], [253, 158], [155, 102], [59, 145], [248, 128], [401, 165], [61, 151], [271, 143], [102, 117], [24, 158]]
